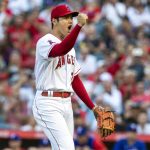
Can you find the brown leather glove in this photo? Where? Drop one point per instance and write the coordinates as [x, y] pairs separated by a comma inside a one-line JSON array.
[[105, 120]]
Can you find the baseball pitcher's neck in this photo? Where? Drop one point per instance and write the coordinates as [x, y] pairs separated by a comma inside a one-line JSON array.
[[58, 34]]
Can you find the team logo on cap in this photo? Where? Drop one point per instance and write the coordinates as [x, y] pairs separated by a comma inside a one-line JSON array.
[[68, 9]]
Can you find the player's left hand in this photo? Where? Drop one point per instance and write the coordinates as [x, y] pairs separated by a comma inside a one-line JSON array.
[[105, 120]]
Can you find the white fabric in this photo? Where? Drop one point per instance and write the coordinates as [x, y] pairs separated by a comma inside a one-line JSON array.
[[35, 3], [55, 116], [105, 76], [45, 15], [145, 130], [28, 127], [88, 65], [113, 12], [18, 6], [138, 18], [55, 73], [27, 97], [114, 100], [2, 18]]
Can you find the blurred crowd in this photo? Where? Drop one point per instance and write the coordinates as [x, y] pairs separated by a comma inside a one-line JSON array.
[[113, 50]]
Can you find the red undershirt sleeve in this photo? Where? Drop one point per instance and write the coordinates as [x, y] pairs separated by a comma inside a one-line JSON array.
[[67, 44], [80, 90]]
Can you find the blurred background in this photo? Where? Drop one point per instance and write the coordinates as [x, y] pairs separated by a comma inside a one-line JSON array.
[[114, 52]]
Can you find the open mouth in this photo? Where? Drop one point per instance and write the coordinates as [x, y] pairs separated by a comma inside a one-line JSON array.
[[69, 27]]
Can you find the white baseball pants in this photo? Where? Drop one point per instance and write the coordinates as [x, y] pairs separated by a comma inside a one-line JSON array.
[[55, 116]]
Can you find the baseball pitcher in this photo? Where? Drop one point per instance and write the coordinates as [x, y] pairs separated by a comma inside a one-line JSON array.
[[56, 73]]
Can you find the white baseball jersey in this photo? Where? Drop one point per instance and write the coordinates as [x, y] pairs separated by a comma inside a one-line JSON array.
[[54, 73]]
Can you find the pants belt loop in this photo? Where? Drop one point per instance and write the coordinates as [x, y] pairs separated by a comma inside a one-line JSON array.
[[51, 93]]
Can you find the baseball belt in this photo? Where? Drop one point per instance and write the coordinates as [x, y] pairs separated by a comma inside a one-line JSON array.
[[56, 94]]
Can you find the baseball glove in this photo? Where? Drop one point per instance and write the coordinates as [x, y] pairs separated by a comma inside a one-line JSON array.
[[105, 120]]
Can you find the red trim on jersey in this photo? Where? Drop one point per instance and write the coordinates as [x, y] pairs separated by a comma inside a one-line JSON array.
[[80, 90], [77, 72], [67, 44]]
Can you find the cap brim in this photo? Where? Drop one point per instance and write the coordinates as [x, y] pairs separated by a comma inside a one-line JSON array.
[[74, 14]]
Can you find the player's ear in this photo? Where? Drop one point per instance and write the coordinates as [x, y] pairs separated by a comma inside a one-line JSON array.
[[54, 21]]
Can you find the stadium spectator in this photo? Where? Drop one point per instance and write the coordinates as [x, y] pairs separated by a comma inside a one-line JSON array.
[[137, 14], [111, 95], [137, 63], [15, 142], [130, 110], [85, 141], [143, 126], [140, 96], [114, 11], [130, 141], [44, 144], [128, 85], [30, 125]]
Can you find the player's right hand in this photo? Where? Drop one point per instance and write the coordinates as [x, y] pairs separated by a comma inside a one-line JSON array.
[[82, 19], [3, 5]]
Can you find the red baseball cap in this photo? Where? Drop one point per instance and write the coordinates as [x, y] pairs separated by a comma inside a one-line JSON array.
[[62, 10]]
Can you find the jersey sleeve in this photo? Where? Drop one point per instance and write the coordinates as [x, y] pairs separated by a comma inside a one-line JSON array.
[[77, 68], [44, 47]]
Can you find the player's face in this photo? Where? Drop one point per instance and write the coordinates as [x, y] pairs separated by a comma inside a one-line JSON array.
[[64, 25]]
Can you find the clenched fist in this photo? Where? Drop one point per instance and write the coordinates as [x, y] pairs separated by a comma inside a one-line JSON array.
[[82, 19], [3, 5]]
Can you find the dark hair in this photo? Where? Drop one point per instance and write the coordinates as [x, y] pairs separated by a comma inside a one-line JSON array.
[[52, 25], [143, 111]]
